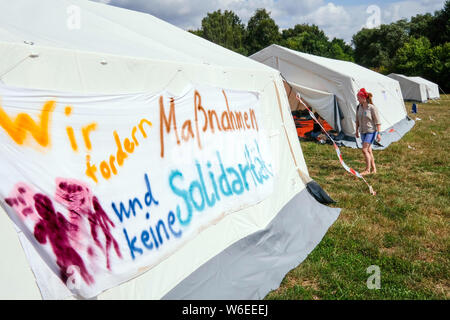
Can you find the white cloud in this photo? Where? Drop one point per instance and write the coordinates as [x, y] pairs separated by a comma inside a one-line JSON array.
[[189, 13], [329, 15], [406, 9], [336, 20], [344, 22]]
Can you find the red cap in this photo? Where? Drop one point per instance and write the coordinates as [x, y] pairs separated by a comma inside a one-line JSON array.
[[363, 93]]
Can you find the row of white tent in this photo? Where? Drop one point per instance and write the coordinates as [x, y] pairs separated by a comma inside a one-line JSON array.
[[416, 88], [320, 81], [330, 87], [122, 51]]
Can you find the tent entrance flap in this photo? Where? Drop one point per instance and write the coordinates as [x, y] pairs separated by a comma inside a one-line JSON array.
[[338, 116], [324, 103]]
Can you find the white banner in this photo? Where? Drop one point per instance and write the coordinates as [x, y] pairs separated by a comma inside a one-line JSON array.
[[105, 187]]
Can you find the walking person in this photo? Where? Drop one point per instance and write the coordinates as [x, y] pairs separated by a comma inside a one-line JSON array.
[[369, 125]]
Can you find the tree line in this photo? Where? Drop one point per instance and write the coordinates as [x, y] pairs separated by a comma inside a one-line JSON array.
[[419, 46], [226, 29], [416, 47]]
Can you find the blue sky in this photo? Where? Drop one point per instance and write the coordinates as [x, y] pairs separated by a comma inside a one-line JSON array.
[[338, 18]]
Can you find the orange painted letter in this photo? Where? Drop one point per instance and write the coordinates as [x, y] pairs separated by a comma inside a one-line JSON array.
[[167, 123], [18, 128]]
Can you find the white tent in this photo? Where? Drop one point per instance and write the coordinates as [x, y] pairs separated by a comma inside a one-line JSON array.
[[73, 48], [432, 88], [412, 89], [320, 79], [416, 88]]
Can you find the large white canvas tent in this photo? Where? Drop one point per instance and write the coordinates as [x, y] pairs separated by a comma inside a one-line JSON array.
[[330, 87], [432, 88], [416, 88], [97, 55], [411, 89]]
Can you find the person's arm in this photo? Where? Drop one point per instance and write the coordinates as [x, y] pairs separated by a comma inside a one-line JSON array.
[[378, 132], [376, 120], [357, 122]]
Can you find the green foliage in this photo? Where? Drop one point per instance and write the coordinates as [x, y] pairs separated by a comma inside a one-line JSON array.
[[225, 29], [313, 30], [440, 26], [376, 47], [304, 42], [440, 65], [197, 32], [434, 27], [306, 38], [262, 31], [419, 47], [310, 39], [338, 49], [418, 57], [412, 56], [420, 25]]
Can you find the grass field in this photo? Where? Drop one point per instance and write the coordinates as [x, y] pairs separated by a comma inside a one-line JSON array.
[[404, 229]]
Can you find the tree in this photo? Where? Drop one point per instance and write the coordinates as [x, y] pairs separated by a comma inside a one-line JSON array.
[[440, 26], [376, 47], [439, 71], [368, 52], [421, 25], [224, 29], [340, 50], [301, 28], [413, 56], [311, 39], [306, 38], [418, 58], [262, 31], [198, 32]]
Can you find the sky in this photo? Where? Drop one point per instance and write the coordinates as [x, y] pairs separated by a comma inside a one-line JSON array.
[[338, 18]]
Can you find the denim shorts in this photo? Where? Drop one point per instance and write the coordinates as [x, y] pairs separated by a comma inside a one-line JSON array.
[[368, 137]]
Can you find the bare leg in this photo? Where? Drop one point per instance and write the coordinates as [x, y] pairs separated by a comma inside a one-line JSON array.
[[367, 158], [372, 161]]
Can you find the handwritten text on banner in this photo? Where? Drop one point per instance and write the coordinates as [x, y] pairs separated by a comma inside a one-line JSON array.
[[107, 186]]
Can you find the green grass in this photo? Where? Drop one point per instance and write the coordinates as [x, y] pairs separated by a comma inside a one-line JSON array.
[[404, 229]]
